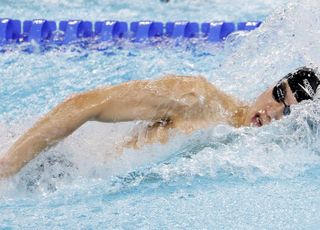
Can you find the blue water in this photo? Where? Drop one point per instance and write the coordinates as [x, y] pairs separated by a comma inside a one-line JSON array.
[[215, 178]]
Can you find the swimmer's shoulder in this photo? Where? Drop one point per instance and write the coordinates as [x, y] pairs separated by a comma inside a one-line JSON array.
[[185, 82], [169, 82], [184, 78]]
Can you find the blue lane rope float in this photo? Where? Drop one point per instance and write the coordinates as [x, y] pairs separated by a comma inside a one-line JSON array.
[[74, 29], [248, 25], [38, 30], [217, 31], [110, 30], [10, 30], [146, 29], [45, 31], [183, 29]]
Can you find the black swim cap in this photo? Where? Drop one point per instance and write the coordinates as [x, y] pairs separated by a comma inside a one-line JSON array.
[[303, 83]]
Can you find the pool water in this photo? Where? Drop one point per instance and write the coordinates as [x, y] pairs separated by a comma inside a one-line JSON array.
[[216, 178]]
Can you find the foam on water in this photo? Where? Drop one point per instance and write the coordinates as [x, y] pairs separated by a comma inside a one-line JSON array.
[[225, 171], [287, 39]]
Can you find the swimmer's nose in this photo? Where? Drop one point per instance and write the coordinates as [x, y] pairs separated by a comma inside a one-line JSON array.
[[275, 112]]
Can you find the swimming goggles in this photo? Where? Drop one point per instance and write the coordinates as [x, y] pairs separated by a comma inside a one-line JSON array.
[[279, 94]]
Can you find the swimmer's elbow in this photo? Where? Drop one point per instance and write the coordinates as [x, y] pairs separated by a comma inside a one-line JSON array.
[[80, 108]]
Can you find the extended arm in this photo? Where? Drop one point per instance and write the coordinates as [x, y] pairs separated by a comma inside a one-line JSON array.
[[57, 124], [137, 100]]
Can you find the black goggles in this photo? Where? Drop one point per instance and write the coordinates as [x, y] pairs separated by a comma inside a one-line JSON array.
[[279, 94]]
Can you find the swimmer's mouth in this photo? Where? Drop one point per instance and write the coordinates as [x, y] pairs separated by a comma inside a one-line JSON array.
[[256, 120]]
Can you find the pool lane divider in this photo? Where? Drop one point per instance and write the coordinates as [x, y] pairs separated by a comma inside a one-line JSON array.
[[66, 32]]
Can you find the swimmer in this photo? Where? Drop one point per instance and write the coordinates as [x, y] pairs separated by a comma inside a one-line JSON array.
[[181, 103]]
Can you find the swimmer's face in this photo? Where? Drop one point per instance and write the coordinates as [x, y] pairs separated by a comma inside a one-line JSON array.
[[266, 108]]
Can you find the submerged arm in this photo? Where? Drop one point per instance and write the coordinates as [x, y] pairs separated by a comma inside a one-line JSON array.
[[137, 100]]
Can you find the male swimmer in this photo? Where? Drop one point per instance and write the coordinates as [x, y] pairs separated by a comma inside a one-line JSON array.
[[182, 103]]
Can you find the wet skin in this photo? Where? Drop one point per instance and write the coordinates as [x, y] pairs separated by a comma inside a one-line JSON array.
[[266, 108], [170, 103]]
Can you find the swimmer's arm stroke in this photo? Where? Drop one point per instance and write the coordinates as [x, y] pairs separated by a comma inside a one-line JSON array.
[[135, 100]]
